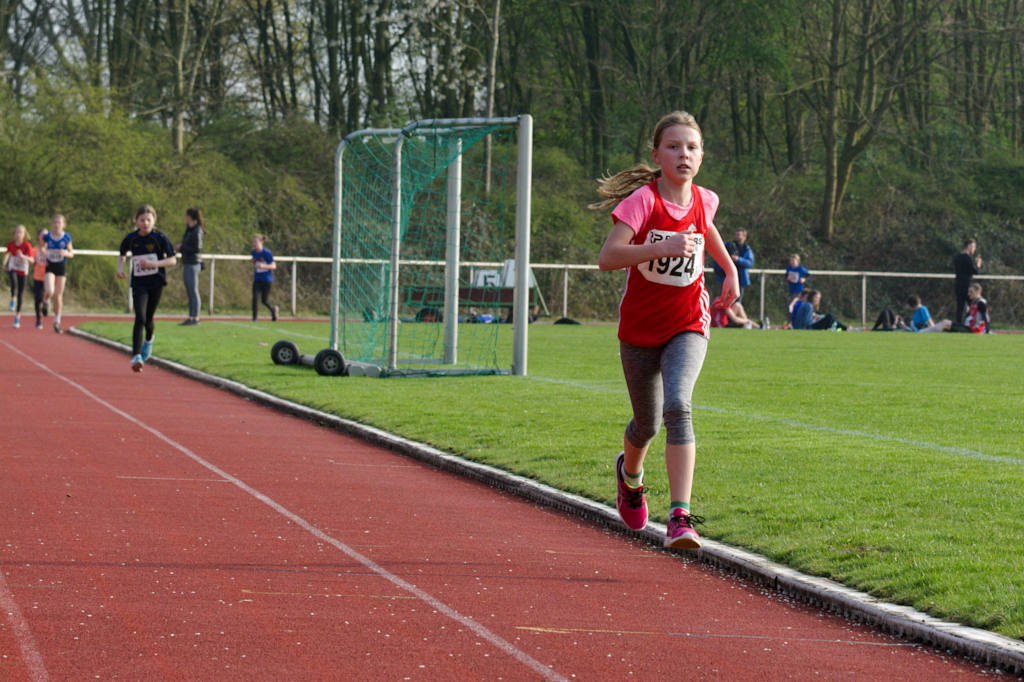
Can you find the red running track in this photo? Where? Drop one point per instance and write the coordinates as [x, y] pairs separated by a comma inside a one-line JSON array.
[[157, 528]]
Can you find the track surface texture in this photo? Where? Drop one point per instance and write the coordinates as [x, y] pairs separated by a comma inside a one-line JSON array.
[[153, 527]]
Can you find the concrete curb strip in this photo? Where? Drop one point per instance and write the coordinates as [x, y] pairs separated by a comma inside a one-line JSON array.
[[973, 643]]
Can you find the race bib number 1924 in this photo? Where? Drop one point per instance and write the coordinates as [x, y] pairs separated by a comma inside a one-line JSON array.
[[674, 271]]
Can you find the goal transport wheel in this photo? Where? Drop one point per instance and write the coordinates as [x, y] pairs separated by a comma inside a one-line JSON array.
[[284, 353], [330, 363]]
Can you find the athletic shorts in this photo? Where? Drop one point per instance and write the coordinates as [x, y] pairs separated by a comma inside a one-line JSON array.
[[58, 269]]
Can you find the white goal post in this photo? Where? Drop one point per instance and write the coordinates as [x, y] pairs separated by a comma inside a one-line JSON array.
[[521, 294]]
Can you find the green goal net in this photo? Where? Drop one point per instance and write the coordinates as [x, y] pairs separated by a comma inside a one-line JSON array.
[[431, 231]]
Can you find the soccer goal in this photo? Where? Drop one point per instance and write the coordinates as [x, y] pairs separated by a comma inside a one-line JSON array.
[[421, 215]]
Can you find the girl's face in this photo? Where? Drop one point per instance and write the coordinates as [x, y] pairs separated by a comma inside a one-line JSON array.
[[816, 301], [41, 237], [794, 261], [19, 234], [145, 222], [188, 220], [679, 153], [58, 224], [257, 244]]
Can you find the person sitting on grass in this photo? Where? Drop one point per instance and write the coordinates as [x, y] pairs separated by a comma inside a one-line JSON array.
[[922, 319], [977, 320], [806, 315], [731, 316]]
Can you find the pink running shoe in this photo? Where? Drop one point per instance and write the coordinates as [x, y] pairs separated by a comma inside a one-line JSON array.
[[681, 534], [630, 501]]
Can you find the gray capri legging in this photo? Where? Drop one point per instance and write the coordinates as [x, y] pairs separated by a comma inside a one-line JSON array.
[[660, 381]]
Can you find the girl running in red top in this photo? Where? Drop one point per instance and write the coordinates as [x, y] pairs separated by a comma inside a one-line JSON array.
[[18, 257], [662, 223]]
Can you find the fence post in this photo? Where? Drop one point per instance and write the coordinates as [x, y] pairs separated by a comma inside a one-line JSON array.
[[209, 299], [764, 277], [864, 301], [295, 274], [565, 292]]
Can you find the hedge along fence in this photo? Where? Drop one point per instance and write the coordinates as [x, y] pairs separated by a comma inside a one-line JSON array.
[[302, 284]]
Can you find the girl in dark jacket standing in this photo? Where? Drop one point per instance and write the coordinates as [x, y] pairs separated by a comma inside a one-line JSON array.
[[190, 248]]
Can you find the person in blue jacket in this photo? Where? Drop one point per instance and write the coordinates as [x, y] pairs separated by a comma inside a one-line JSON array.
[[263, 267], [805, 313], [742, 255], [796, 277]]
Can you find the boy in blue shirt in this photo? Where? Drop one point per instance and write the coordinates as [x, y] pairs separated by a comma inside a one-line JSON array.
[[922, 320], [796, 276]]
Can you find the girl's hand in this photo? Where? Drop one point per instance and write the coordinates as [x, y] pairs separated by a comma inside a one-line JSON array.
[[730, 290], [120, 274], [679, 245]]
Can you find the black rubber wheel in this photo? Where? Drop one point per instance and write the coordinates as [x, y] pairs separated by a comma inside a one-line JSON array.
[[329, 363], [284, 353]]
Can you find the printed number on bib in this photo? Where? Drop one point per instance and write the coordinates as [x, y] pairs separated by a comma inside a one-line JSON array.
[[138, 270], [54, 256], [674, 271]]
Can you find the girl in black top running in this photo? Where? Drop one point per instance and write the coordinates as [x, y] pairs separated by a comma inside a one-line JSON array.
[[151, 252]]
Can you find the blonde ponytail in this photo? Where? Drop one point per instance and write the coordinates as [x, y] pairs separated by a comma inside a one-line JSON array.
[[617, 187]]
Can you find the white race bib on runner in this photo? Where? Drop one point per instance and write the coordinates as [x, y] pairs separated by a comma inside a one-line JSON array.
[[678, 271], [138, 270]]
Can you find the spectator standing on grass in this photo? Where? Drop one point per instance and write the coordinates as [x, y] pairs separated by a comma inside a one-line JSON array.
[[742, 257], [921, 320], [661, 223], [151, 253], [263, 267], [18, 258], [796, 276], [190, 247], [966, 265]]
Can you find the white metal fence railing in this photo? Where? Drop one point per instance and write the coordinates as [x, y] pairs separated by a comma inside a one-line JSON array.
[[565, 269]]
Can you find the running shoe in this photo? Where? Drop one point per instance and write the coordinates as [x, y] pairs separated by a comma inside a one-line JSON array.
[[147, 349], [137, 363], [56, 328], [273, 314], [39, 325], [17, 322], [630, 501], [680, 533]]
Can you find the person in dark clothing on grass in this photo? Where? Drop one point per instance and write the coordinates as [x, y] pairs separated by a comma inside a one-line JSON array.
[[966, 265]]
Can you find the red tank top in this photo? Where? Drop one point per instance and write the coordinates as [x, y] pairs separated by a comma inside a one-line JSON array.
[[665, 297]]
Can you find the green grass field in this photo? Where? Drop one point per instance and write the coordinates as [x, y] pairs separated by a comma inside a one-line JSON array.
[[889, 462]]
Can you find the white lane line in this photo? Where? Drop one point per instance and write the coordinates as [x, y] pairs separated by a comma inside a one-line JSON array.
[[22, 634], [481, 631], [274, 331], [881, 437]]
